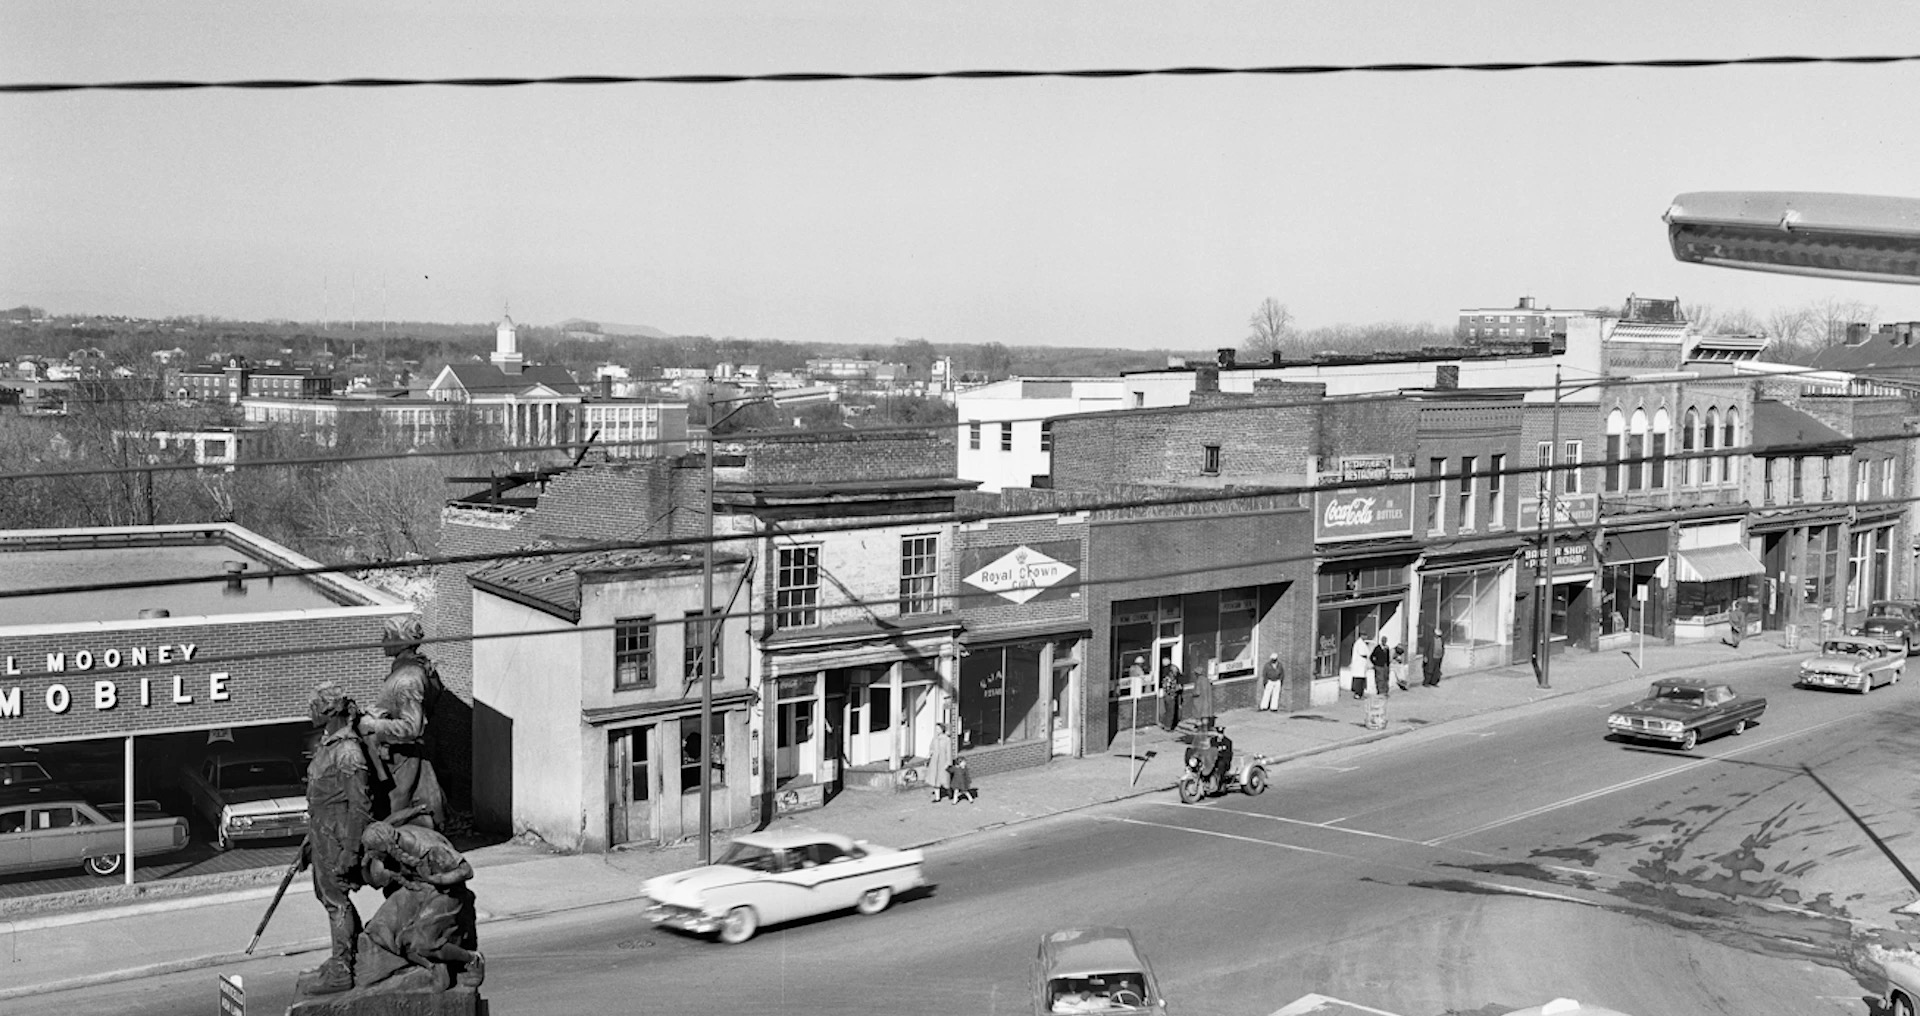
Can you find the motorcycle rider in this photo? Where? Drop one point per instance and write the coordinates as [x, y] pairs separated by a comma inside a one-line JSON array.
[[1223, 756]]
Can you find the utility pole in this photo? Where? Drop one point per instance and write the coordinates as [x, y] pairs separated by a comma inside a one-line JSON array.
[[706, 660], [1552, 507]]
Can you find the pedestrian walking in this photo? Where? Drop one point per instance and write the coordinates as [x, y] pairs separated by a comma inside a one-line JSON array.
[[1436, 652], [1271, 677], [1382, 658], [1736, 623], [1357, 666], [1172, 689], [1400, 665], [939, 762], [963, 783]]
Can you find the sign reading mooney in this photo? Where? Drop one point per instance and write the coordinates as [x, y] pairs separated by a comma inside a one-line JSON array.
[[1360, 513], [1024, 573]]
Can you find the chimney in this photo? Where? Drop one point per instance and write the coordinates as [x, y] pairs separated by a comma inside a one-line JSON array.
[[1446, 377], [1526, 303], [1225, 359], [606, 386], [1206, 378]]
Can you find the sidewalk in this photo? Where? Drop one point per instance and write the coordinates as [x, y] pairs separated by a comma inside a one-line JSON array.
[[59, 949]]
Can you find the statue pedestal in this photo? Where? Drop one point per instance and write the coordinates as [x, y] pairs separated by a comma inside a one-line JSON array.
[[456, 1001]]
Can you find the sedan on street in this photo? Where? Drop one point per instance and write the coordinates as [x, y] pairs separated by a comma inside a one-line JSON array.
[[772, 877], [1853, 664], [1895, 631], [1680, 711]]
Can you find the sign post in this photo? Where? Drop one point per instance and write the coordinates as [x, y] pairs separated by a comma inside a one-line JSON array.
[[233, 995]]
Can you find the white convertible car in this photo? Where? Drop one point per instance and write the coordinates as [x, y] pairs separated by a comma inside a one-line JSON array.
[[768, 878]]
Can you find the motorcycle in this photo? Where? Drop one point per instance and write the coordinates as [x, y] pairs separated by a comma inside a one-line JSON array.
[[1204, 776]]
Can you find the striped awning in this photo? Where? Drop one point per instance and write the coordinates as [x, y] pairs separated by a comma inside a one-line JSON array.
[[1715, 564]]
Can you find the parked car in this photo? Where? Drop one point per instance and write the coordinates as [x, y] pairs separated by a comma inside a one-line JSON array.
[[1902, 969], [248, 795], [1909, 609], [39, 831], [767, 878], [1853, 663], [1682, 710], [1895, 632], [1094, 970]]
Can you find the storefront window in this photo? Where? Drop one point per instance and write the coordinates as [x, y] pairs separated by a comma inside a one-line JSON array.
[[1239, 614], [690, 756], [1620, 611], [1133, 641], [1470, 608], [1000, 695], [1698, 601]]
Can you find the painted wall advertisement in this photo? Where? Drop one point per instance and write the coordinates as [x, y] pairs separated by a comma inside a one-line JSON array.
[[1381, 508], [1022, 574]]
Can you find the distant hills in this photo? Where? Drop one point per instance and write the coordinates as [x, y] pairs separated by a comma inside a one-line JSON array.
[[612, 328]]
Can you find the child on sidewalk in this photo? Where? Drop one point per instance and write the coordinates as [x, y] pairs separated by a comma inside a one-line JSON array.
[[962, 782]]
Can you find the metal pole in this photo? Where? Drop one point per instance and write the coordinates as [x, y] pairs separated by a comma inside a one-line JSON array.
[[1553, 517], [706, 661], [126, 800]]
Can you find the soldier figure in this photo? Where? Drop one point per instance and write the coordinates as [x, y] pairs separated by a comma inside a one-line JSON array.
[[397, 727], [339, 807], [427, 921]]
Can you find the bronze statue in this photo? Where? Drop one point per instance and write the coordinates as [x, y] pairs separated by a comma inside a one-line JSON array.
[[396, 726], [339, 807], [427, 922]]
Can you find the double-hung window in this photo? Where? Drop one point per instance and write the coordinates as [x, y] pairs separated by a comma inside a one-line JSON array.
[[699, 633], [796, 591], [973, 436], [919, 574], [1467, 467], [1437, 495], [1570, 459], [1497, 494], [1006, 437], [632, 653]]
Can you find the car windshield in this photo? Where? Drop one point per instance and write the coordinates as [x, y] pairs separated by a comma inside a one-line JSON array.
[[1890, 609], [1847, 649], [1670, 693], [751, 857], [1097, 992], [262, 773]]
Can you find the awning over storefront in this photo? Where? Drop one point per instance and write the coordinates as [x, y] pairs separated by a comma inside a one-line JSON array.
[[602, 715], [1715, 564], [1642, 545]]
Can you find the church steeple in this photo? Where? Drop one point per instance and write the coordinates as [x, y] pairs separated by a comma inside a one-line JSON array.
[[506, 347]]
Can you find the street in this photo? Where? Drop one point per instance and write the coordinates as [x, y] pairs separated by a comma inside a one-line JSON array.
[[1481, 865]]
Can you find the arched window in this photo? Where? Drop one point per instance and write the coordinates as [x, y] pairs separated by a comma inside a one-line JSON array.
[[1710, 439], [1616, 438], [1637, 449], [1690, 440], [1657, 469], [1730, 439]]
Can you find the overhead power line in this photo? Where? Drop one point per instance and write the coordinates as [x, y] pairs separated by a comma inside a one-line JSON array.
[[981, 74]]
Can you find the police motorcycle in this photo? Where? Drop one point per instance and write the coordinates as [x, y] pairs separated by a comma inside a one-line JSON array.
[[1211, 768]]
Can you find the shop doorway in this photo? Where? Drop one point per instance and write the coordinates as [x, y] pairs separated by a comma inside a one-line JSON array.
[[795, 752], [867, 716], [629, 785]]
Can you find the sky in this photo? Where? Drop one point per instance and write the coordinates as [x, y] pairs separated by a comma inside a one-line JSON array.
[[1137, 213]]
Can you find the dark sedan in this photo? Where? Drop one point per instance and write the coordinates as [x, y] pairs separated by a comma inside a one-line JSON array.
[[1682, 710]]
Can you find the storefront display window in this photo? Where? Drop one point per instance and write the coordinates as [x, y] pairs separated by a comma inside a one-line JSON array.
[[1699, 601], [1000, 695], [1620, 611], [1470, 608], [1133, 640], [690, 756]]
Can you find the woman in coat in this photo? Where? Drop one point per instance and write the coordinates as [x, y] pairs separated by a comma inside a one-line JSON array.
[[940, 762]]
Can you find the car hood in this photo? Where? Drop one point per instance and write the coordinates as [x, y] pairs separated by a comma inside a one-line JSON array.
[[264, 801], [1661, 710], [683, 888]]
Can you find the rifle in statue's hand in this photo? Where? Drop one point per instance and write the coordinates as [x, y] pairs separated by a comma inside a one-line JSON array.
[[299, 865]]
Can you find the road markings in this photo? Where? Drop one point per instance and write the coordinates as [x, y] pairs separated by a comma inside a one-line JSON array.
[[1628, 784], [1224, 836]]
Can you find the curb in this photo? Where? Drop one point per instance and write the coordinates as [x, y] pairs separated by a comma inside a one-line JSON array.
[[191, 963]]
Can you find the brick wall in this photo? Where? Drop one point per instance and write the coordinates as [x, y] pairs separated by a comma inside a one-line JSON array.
[[986, 612], [853, 456], [1166, 445]]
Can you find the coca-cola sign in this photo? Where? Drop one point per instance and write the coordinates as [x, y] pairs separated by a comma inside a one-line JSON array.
[[1361, 513]]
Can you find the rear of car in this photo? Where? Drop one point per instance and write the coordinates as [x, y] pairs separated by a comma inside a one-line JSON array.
[[1094, 969]]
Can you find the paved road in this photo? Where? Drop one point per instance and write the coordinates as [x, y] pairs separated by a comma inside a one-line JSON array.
[[1660, 884]]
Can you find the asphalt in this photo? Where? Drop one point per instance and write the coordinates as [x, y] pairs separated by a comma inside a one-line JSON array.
[[74, 940]]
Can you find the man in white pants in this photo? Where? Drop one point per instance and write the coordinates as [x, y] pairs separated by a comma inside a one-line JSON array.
[[1270, 680]]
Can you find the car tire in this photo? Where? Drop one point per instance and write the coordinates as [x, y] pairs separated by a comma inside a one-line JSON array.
[[1739, 728], [1689, 739], [1899, 1005], [103, 865], [875, 900], [222, 841], [1256, 781], [739, 925], [1189, 790]]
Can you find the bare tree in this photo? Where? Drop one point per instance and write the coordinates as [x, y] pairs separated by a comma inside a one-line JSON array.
[[1271, 330], [1832, 316]]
